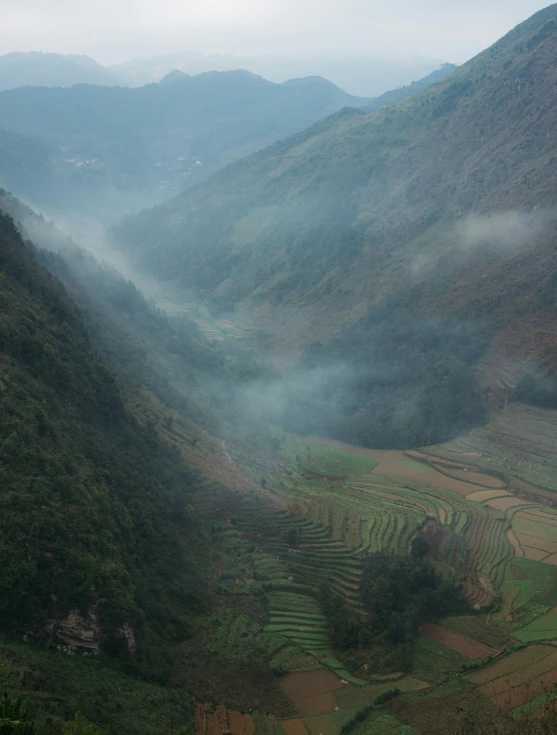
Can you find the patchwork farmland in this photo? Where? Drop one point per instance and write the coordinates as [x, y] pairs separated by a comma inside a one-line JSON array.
[[329, 504]]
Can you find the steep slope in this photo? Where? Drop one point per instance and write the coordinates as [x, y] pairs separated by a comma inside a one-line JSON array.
[[429, 201], [114, 149], [402, 93], [33, 68], [371, 241], [95, 533]]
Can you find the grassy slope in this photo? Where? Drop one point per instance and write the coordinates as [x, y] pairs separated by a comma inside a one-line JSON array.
[[329, 221]]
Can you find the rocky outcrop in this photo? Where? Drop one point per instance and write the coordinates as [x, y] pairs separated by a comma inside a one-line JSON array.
[[83, 634]]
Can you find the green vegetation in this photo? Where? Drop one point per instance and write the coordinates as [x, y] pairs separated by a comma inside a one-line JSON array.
[[90, 161], [401, 593], [364, 224]]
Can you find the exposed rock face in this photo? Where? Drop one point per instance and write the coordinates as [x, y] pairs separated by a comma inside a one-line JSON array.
[[77, 634], [83, 634]]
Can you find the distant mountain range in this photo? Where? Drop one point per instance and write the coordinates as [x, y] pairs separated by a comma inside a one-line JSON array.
[[440, 207], [106, 151], [20, 69], [363, 75]]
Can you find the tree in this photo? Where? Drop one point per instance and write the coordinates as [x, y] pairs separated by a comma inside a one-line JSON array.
[[13, 719], [420, 546], [80, 726]]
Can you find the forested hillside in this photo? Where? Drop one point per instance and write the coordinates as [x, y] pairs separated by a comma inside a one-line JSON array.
[[94, 521], [437, 208], [111, 150]]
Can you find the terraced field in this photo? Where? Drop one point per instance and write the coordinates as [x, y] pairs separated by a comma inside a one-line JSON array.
[[485, 527]]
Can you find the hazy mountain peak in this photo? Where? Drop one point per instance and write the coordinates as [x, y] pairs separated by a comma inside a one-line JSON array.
[[37, 68]]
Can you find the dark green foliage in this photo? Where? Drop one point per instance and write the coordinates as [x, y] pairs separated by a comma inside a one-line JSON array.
[[13, 718], [420, 546], [80, 726], [93, 508], [343, 624], [359, 717], [402, 592]]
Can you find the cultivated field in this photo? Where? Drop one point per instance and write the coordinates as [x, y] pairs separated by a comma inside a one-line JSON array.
[[330, 504]]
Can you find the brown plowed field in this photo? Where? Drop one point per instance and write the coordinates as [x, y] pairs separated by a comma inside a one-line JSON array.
[[479, 496], [506, 503], [456, 642], [293, 727], [216, 720], [313, 692], [526, 692], [475, 478], [538, 518], [537, 543], [535, 554], [509, 665]]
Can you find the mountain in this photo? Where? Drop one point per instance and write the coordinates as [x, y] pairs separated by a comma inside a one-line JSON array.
[[362, 74], [369, 236], [402, 93], [82, 569], [108, 150], [34, 68]]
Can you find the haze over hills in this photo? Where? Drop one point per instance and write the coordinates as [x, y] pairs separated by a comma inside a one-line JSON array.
[[98, 149], [439, 206], [306, 482], [364, 75], [21, 69]]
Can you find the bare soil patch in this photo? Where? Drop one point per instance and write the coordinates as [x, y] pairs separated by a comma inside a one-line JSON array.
[[551, 559], [311, 691], [535, 554], [526, 692], [509, 665], [506, 503], [213, 720], [476, 478], [397, 469], [293, 727], [537, 543], [456, 642], [537, 518], [480, 496]]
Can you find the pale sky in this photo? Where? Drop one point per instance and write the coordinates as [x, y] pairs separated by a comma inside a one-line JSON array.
[[117, 30]]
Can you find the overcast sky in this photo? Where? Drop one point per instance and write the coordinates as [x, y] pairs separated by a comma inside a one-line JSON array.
[[116, 30]]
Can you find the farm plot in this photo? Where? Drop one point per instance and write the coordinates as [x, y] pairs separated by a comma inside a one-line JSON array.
[[212, 720], [313, 692], [454, 641], [522, 685], [542, 628], [508, 665], [537, 534], [435, 663]]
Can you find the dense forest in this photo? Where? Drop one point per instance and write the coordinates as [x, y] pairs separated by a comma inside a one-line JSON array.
[[399, 593], [94, 514]]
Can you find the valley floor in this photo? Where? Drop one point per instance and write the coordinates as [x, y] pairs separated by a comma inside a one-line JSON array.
[[487, 505]]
